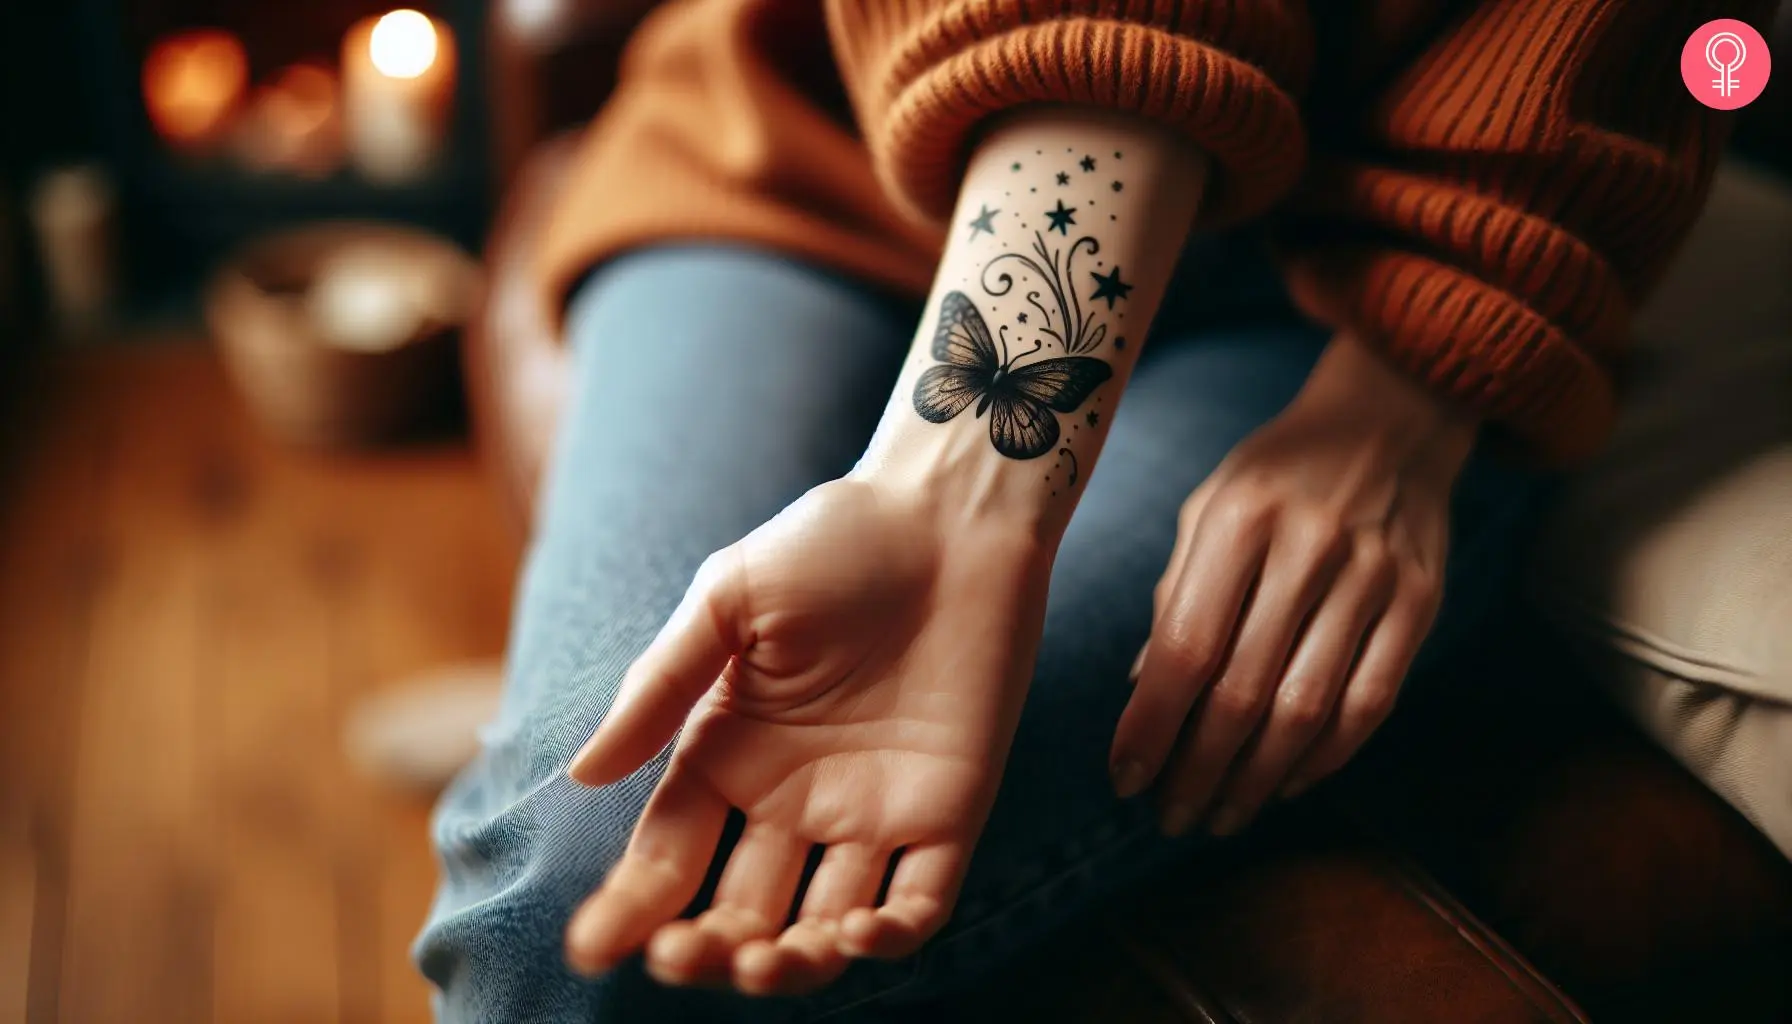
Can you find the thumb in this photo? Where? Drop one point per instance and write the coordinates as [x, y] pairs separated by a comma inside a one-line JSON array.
[[683, 662]]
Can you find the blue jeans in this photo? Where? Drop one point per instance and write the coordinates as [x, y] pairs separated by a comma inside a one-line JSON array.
[[715, 386]]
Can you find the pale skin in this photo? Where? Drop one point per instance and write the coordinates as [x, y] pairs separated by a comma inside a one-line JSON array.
[[850, 674]]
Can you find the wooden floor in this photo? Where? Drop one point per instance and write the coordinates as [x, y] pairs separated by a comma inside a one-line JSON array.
[[187, 611]]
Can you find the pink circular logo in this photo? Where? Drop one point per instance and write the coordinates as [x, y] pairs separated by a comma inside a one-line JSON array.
[[1725, 64]]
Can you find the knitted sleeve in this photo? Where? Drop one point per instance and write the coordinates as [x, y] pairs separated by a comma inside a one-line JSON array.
[[1489, 214], [923, 75]]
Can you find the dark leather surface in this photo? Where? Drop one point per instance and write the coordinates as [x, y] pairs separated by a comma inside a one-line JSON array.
[[1308, 918], [1591, 850]]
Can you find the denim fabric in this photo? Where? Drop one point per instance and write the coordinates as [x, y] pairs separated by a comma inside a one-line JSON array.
[[715, 386]]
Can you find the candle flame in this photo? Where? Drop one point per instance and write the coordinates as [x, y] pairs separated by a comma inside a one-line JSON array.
[[191, 80], [403, 44]]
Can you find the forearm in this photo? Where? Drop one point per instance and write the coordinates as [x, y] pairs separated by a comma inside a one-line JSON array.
[[1068, 226]]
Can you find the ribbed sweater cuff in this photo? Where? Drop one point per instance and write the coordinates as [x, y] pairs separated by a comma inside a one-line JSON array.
[[1477, 345], [1246, 122]]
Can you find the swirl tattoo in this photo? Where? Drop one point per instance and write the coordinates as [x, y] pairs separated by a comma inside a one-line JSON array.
[[1074, 330], [1067, 453]]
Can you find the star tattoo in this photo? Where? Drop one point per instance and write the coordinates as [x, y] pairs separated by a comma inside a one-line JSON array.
[[1109, 287], [1088, 163], [985, 221], [1063, 178], [1117, 186], [1094, 418], [1062, 219], [1022, 317]]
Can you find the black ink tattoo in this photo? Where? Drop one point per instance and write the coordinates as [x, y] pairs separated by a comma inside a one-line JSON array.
[[1022, 400], [1075, 331], [1067, 453], [1025, 391], [1062, 219], [1109, 287], [984, 221]]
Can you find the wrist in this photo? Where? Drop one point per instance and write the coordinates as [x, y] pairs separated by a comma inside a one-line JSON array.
[[1365, 394], [948, 478], [1068, 226]]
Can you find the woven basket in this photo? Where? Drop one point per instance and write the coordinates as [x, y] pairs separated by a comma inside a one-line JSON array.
[[305, 389]]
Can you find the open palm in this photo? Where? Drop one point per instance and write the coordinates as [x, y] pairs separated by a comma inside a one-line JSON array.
[[849, 676]]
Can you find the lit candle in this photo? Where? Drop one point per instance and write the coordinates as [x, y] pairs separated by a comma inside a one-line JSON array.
[[397, 82], [191, 83], [292, 123]]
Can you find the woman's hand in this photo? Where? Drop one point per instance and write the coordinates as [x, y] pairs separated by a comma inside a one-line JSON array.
[[849, 676], [1306, 572]]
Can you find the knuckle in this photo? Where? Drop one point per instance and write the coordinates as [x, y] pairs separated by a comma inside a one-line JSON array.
[[1190, 512], [1189, 656], [1244, 511], [1370, 709], [1370, 549], [713, 569], [1422, 587], [1302, 708], [1235, 702], [1321, 533]]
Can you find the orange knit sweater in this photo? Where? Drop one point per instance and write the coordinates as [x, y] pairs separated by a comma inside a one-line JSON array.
[[1482, 188]]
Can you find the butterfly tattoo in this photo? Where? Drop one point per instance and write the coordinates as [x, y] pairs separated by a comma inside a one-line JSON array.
[[1022, 401]]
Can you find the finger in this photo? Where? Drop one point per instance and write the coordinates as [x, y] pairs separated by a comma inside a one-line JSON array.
[[659, 689], [1369, 695], [920, 899], [847, 877], [656, 878], [752, 901], [1307, 693], [1188, 644], [1300, 567], [807, 955], [802, 959], [1188, 522]]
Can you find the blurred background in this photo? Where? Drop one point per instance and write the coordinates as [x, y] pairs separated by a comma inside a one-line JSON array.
[[251, 570], [253, 564]]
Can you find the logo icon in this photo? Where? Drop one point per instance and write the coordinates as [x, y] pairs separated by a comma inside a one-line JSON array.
[[1725, 64]]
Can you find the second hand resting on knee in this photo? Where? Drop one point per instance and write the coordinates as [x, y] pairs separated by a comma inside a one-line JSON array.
[[850, 674]]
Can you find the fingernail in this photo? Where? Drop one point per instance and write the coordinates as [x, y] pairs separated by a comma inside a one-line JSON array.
[[1178, 819], [1130, 778], [584, 761], [575, 766], [1227, 821], [1138, 665]]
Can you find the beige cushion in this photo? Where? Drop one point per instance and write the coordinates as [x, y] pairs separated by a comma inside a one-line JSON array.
[[1671, 557]]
